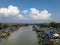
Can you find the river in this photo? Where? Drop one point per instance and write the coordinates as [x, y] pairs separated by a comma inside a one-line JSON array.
[[23, 36]]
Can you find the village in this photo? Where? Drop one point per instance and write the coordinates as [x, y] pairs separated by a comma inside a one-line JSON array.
[[47, 35], [7, 29]]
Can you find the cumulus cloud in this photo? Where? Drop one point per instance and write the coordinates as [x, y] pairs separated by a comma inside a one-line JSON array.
[[14, 14], [39, 15], [35, 14], [10, 12], [25, 11]]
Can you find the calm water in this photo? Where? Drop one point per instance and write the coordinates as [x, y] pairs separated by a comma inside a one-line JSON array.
[[24, 36]]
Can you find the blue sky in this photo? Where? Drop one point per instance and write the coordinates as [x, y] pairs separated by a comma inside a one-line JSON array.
[[52, 6]]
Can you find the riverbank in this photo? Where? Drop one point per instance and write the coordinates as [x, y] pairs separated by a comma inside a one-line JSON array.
[[23, 36], [43, 34], [6, 31]]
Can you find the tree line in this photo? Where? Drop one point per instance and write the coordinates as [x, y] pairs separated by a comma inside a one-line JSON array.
[[51, 24]]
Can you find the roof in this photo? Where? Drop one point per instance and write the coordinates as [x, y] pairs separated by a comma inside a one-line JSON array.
[[56, 35], [1, 30]]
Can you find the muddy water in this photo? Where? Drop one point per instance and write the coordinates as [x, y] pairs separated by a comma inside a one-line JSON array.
[[24, 36]]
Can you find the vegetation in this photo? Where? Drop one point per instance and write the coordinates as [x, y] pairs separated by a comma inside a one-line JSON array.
[[47, 26], [51, 24], [16, 26], [6, 29]]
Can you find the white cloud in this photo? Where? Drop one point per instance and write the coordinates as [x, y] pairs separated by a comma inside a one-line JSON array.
[[12, 13], [35, 14], [11, 10], [34, 11], [25, 11], [39, 15]]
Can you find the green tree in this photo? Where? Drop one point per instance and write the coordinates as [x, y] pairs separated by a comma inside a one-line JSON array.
[[52, 24]]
